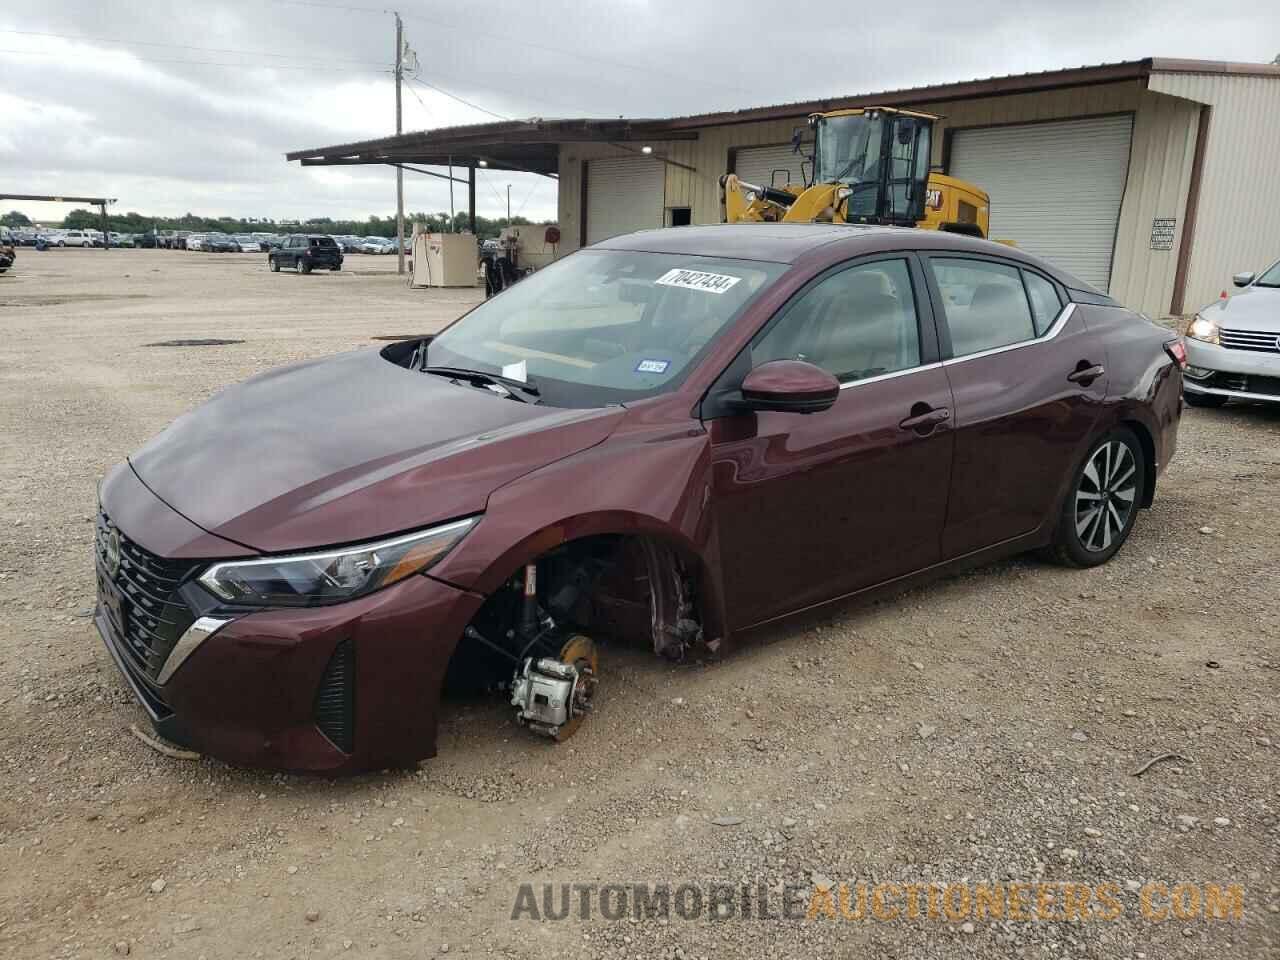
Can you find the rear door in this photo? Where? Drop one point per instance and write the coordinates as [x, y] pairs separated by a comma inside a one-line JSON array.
[[1028, 381], [812, 507]]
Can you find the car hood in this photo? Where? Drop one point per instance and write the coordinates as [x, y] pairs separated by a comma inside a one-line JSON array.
[[1253, 308], [349, 448]]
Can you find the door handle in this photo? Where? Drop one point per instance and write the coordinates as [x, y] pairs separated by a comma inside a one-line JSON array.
[[1085, 374], [925, 422]]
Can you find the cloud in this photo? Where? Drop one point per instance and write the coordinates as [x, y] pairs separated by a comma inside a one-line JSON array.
[[174, 107]]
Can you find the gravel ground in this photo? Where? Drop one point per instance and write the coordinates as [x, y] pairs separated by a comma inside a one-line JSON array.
[[981, 730]]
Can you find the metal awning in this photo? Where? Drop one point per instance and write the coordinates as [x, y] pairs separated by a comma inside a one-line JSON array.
[[531, 145]]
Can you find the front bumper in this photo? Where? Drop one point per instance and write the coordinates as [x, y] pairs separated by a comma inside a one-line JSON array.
[[335, 690], [1239, 374], [262, 690]]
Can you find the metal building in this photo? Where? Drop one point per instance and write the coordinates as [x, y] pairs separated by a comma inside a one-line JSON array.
[[1152, 179]]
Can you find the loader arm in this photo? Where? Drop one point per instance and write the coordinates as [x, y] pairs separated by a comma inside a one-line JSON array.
[[795, 203]]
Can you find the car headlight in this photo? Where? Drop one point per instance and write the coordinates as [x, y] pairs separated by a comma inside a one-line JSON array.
[[331, 576], [1201, 328]]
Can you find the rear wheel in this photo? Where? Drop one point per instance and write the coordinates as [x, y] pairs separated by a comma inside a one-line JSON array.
[[1203, 399], [303, 266], [1102, 505], [274, 264], [336, 267]]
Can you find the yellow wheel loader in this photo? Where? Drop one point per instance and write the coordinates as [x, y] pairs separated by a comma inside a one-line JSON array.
[[868, 165]]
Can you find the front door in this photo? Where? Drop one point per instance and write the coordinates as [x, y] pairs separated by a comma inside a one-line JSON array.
[[812, 507], [1028, 381]]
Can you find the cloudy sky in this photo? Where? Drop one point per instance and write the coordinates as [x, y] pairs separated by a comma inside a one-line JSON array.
[[179, 106]]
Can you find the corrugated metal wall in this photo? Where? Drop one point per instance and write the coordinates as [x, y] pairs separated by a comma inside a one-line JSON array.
[[1237, 227], [1163, 143]]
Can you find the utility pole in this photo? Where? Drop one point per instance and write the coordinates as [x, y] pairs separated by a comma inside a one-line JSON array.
[[399, 169], [508, 204], [452, 215]]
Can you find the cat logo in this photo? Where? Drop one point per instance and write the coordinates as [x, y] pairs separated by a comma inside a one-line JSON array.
[[933, 198]]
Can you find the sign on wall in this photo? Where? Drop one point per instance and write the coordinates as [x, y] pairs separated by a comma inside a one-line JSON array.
[[1162, 233]]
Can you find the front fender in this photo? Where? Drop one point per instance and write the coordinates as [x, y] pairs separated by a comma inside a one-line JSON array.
[[652, 481]]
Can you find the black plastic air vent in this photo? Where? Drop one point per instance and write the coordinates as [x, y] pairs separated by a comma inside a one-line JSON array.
[[336, 698]]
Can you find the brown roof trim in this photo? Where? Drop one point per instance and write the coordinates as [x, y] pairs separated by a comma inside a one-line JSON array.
[[989, 87]]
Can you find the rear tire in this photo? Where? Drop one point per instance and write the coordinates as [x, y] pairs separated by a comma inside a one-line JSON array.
[[1203, 399], [275, 264], [304, 267], [1102, 504], [335, 269]]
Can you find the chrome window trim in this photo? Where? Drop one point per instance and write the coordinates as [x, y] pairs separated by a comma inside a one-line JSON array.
[[1055, 328], [845, 384], [188, 643]]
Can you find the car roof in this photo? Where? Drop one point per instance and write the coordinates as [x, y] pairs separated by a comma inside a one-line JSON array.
[[789, 242]]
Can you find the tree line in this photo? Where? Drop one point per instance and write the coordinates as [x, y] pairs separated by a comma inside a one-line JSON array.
[[375, 226]]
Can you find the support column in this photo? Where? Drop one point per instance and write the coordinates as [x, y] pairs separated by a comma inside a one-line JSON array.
[[471, 193]]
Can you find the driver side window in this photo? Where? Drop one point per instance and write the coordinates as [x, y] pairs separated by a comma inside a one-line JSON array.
[[855, 324]]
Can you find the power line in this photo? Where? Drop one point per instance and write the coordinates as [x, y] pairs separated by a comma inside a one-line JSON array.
[[189, 63], [648, 71], [184, 46], [454, 96], [527, 197], [578, 54], [420, 100]]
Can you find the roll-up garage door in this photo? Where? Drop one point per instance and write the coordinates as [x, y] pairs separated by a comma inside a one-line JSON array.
[[757, 165], [1055, 187], [623, 195]]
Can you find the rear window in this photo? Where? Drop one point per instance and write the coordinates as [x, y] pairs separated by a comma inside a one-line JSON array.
[[322, 242]]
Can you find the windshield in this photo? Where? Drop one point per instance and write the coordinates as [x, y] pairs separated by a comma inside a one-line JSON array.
[[604, 326], [1271, 278], [848, 149]]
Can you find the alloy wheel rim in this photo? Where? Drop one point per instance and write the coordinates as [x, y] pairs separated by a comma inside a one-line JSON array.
[[1105, 496]]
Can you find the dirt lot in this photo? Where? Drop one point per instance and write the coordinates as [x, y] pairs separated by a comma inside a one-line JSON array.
[[982, 730]]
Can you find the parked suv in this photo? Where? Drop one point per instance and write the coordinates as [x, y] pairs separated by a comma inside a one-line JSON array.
[[78, 238], [306, 252]]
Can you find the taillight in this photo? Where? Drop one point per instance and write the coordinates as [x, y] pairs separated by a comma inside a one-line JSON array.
[[1177, 352]]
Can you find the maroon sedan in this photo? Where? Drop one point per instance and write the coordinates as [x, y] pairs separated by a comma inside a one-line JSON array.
[[671, 437]]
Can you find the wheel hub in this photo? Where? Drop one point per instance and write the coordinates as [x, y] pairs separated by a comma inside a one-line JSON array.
[[1105, 496], [553, 696]]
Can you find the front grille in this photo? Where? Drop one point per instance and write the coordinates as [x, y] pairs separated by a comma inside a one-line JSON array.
[[335, 712], [1257, 341], [1245, 383], [152, 614]]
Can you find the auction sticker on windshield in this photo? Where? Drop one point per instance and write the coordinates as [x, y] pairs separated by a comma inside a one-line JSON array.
[[697, 280]]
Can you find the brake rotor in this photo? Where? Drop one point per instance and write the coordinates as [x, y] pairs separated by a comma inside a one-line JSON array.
[[581, 652]]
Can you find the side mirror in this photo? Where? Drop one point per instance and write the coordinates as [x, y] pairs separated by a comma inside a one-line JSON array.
[[1242, 279], [789, 386]]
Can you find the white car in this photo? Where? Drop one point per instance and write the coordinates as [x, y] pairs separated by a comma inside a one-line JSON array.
[[247, 244], [195, 241], [1233, 345], [378, 245], [78, 238]]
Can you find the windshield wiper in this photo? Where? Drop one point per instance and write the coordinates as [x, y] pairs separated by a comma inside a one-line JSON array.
[[480, 377]]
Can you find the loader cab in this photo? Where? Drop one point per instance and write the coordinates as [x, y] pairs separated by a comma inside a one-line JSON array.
[[880, 156]]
